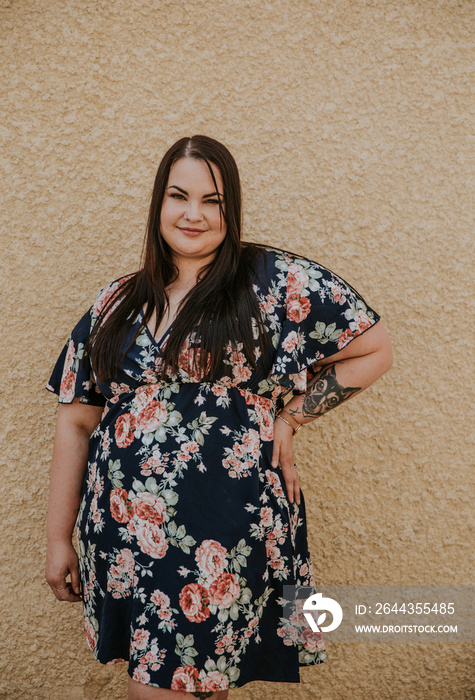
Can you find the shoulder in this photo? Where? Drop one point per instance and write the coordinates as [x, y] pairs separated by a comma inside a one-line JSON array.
[[113, 291], [285, 264]]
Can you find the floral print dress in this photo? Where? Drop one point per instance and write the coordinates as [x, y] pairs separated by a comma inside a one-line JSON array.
[[186, 537]]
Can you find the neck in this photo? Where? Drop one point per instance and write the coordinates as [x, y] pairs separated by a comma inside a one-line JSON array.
[[188, 270]]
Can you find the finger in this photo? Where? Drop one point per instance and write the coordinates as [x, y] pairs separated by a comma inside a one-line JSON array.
[[288, 473], [275, 455], [62, 589], [297, 489], [292, 482], [75, 579], [66, 593], [58, 586], [69, 596]]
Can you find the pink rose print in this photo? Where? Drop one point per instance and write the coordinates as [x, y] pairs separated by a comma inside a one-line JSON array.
[[144, 395], [124, 563], [289, 634], [151, 539], [227, 643], [160, 599], [266, 421], [266, 516], [90, 634], [214, 681], [162, 602], [224, 591], [273, 552], [298, 308], [297, 280], [121, 507], [140, 639], [68, 384], [70, 355], [124, 429], [268, 305], [263, 408], [193, 601], [211, 559], [345, 338], [219, 390], [362, 321], [149, 507], [241, 373], [338, 294], [118, 389], [291, 341], [141, 675], [274, 480], [121, 574], [153, 658], [152, 416], [236, 467], [312, 641], [156, 463], [104, 297], [185, 678], [251, 443]]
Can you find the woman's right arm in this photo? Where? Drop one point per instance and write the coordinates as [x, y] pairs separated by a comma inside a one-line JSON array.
[[74, 425]]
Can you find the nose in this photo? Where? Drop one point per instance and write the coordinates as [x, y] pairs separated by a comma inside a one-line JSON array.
[[193, 212]]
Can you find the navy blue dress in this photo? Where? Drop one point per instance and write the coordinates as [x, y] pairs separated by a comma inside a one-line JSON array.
[[186, 537]]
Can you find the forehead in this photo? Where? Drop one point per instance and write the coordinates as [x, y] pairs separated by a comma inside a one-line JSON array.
[[194, 173]]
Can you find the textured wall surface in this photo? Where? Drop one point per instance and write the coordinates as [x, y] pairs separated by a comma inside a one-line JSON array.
[[349, 120]]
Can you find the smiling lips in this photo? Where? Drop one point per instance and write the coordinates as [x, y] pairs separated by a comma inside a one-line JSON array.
[[191, 231]]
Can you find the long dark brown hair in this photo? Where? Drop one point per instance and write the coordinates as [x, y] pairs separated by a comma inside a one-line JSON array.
[[219, 308]]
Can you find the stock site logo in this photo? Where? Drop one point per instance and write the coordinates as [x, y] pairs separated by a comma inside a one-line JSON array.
[[317, 603]]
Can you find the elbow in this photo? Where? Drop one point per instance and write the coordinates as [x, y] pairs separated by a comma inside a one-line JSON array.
[[386, 355], [389, 358]]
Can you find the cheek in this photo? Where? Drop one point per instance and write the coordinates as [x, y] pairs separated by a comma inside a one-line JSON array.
[[219, 224], [170, 210]]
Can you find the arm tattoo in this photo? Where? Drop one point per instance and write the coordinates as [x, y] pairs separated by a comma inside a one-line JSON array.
[[324, 393]]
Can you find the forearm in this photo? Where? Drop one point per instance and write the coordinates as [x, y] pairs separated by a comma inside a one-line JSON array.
[[335, 383], [68, 468]]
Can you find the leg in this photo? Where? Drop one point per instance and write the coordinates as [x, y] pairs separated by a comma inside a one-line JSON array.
[[139, 691]]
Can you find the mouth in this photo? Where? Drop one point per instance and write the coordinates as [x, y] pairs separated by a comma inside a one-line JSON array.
[[191, 231]]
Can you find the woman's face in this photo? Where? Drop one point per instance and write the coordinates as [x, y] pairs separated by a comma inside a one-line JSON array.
[[190, 192]]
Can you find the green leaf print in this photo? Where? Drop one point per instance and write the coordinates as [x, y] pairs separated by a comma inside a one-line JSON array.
[[151, 485], [174, 419], [114, 473], [185, 649], [325, 333], [170, 497]]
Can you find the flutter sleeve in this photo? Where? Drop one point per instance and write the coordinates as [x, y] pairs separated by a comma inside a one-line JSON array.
[[72, 376], [323, 313]]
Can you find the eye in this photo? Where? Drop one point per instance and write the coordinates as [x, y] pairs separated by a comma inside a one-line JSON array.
[[212, 201], [175, 195]]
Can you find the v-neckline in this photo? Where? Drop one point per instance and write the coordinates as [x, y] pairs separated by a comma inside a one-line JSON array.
[[158, 342]]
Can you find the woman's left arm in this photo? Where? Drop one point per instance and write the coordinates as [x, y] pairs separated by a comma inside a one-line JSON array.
[[336, 379]]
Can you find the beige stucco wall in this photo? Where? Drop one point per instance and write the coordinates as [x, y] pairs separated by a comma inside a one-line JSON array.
[[349, 120]]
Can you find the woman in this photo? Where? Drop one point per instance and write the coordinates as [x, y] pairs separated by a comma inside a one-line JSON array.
[[170, 453]]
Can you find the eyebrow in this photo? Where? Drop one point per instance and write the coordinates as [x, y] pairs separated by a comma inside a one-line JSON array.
[[205, 196]]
